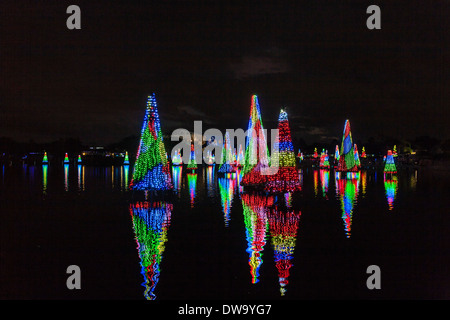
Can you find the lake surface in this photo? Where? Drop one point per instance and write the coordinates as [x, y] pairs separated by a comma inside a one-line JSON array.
[[210, 240]]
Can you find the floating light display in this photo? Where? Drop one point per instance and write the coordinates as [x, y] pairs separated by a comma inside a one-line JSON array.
[[228, 158], [151, 221], [126, 160], [176, 159], [283, 226], [390, 186], [152, 168], [255, 209], [389, 166], [79, 161], [66, 158], [240, 159], [45, 158], [336, 154], [177, 178], [286, 179], [324, 179], [227, 187], [347, 154], [256, 151], [347, 188], [192, 165], [324, 160], [363, 153], [300, 156]]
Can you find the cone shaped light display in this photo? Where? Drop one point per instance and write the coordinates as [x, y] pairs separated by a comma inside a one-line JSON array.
[[45, 159], [79, 159], [228, 159], [357, 161], [336, 154], [256, 152], [151, 169], [390, 166], [126, 160], [324, 160], [347, 161], [286, 179], [176, 159], [66, 158], [192, 165]]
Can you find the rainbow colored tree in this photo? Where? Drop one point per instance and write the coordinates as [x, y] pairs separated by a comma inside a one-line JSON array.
[[390, 166], [126, 160], [45, 158], [347, 155], [66, 158], [283, 226], [151, 220], [256, 152], [151, 169], [336, 155], [286, 179], [192, 165], [176, 159], [324, 160], [228, 158]]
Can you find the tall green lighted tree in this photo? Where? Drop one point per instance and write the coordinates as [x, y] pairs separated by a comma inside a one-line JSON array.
[[151, 169], [347, 161]]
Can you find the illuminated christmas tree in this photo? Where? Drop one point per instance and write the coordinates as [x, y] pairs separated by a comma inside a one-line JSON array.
[[286, 179], [389, 166], [357, 161], [347, 155], [240, 159], [228, 158], [300, 156], [126, 160], [66, 158], [152, 168], [256, 152], [363, 153], [45, 158], [283, 226], [151, 221], [324, 160], [176, 159], [336, 155], [192, 165], [79, 159]]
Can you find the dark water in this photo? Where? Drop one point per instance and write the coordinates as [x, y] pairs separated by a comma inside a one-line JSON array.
[[209, 241]]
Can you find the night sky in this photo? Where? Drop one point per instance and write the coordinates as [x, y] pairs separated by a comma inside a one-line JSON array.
[[205, 59]]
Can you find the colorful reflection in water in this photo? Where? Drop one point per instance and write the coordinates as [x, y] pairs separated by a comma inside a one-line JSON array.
[[177, 176], [80, 177], [255, 209], [283, 226], [324, 179], [151, 220], [125, 181], [316, 182], [210, 183], [192, 183], [363, 183], [390, 187], [347, 188], [44, 178], [227, 187], [66, 177]]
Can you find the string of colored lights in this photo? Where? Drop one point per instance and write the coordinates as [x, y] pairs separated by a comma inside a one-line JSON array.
[[151, 221], [152, 168], [324, 160]]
